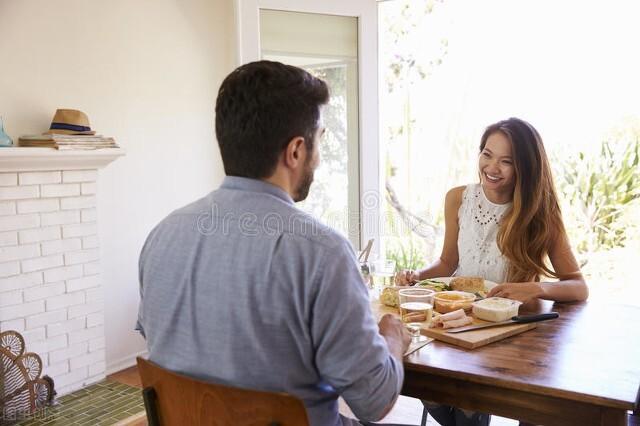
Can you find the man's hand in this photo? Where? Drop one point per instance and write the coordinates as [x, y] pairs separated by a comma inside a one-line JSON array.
[[396, 335], [406, 277], [523, 292]]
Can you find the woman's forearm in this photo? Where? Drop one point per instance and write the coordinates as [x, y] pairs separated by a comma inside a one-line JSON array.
[[439, 268], [575, 290]]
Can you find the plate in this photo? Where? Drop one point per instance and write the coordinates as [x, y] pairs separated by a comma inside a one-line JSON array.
[[488, 285]]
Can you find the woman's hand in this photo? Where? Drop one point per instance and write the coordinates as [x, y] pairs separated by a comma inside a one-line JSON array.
[[518, 291], [406, 277]]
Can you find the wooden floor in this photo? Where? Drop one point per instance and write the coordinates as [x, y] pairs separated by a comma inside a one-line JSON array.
[[407, 410], [129, 377]]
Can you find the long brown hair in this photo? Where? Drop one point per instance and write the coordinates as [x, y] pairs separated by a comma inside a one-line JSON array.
[[529, 228]]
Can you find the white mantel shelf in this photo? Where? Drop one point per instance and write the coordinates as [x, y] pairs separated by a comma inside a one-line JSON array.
[[38, 159]]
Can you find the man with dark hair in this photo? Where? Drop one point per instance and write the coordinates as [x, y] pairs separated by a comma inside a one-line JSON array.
[[242, 288]]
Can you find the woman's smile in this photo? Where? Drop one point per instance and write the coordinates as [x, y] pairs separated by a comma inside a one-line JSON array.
[[492, 178], [497, 172]]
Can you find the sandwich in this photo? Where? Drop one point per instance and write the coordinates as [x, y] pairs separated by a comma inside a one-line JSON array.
[[468, 284]]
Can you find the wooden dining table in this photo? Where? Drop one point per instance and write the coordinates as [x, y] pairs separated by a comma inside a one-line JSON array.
[[580, 369]]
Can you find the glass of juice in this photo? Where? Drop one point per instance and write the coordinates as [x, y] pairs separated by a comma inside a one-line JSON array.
[[416, 309]]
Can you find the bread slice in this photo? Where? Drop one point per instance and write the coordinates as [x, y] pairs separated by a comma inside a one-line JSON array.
[[389, 296], [469, 284]]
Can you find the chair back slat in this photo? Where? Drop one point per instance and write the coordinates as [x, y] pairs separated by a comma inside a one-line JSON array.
[[174, 399]]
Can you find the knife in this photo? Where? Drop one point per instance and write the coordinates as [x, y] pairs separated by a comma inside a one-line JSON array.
[[414, 346], [522, 319]]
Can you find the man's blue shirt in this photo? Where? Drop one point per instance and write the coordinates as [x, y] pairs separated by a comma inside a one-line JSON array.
[[243, 288]]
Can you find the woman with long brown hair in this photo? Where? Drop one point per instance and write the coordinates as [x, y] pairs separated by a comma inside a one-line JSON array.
[[506, 229]]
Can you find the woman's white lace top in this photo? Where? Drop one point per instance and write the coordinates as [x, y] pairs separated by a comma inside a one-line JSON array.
[[478, 221]]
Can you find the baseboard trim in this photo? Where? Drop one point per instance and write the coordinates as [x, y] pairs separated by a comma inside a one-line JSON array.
[[125, 362]]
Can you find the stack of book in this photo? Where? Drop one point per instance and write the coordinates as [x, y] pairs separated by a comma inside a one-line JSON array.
[[68, 142]]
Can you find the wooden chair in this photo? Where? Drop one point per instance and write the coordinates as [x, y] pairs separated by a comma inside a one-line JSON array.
[[173, 399]]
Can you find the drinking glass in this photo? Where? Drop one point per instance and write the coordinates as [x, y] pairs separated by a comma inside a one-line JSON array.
[[416, 309], [382, 274]]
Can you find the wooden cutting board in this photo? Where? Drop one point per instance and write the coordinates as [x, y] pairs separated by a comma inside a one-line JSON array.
[[468, 339], [476, 338]]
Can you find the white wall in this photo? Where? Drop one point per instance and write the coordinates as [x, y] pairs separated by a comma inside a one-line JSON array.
[[147, 73]]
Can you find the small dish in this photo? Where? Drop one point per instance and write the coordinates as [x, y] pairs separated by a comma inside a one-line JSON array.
[[449, 301]]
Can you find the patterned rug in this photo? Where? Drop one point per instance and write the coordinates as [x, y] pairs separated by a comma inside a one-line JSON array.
[[103, 403]]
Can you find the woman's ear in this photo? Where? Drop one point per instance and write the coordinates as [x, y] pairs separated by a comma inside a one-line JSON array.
[[293, 155]]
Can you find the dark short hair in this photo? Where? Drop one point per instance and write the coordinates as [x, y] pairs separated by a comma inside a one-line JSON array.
[[261, 106]]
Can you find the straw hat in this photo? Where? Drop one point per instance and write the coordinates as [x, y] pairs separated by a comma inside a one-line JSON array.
[[70, 122]]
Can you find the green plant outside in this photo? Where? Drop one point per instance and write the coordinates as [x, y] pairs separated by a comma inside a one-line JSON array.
[[407, 253], [599, 189]]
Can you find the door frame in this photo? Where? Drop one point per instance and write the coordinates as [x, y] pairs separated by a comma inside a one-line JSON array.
[[371, 189]]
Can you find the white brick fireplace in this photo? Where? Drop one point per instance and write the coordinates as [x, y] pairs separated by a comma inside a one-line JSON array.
[[50, 286]]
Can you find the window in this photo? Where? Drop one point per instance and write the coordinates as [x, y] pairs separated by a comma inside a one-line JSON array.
[[451, 68]]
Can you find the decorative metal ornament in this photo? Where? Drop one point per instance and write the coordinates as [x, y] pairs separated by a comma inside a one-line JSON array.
[[22, 390]]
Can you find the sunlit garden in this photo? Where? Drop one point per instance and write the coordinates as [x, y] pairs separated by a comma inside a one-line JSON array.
[[448, 71]]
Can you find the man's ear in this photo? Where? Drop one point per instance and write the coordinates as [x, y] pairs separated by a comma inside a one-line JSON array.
[[293, 153]]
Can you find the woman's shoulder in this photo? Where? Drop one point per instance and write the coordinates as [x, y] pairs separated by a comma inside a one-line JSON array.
[[458, 192], [454, 196]]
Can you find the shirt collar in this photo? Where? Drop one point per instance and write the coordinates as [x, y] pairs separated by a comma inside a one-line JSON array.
[[255, 185]]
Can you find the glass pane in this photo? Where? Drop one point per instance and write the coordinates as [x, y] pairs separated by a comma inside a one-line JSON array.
[[326, 46], [329, 198]]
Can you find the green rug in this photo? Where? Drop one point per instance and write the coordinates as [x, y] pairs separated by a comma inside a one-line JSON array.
[[103, 403]]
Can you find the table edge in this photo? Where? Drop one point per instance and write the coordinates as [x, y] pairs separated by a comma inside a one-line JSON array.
[[528, 387]]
